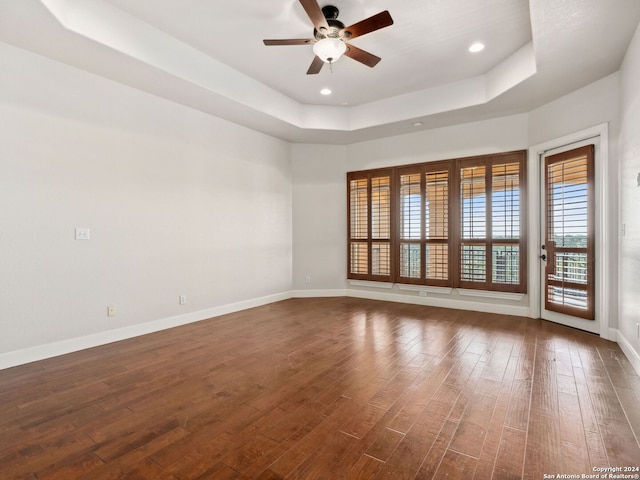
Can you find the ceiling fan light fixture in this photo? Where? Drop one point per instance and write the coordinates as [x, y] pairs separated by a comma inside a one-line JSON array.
[[329, 50], [330, 36]]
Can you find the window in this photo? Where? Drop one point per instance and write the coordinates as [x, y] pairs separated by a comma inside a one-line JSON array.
[[569, 232], [370, 226], [456, 223], [423, 237], [492, 248]]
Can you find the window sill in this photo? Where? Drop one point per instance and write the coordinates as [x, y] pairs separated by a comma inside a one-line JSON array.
[[367, 283], [465, 292], [424, 288]]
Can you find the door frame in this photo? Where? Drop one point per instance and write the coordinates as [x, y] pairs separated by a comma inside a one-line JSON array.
[[603, 238]]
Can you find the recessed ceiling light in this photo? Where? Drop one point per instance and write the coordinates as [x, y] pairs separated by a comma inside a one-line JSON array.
[[476, 47], [417, 124], [325, 91]]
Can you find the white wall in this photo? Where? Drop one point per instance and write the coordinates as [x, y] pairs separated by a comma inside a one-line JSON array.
[[579, 110], [477, 138], [178, 203], [320, 212], [629, 195]]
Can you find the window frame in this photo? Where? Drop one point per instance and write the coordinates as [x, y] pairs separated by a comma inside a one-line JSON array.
[[454, 240], [489, 162], [369, 240], [422, 169]]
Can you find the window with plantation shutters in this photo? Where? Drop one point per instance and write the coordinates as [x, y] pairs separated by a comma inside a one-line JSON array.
[[437, 225], [570, 233], [473, 216], [359, 227], [423, 237], [370, 227], [411, 200], [491, 231], [456, 223], [505, 224]]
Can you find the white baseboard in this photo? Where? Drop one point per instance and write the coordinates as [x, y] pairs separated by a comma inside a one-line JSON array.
[[632, 355], [40, 352], [319, 293]]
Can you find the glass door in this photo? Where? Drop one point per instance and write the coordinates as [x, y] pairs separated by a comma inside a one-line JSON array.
[[568, 246]]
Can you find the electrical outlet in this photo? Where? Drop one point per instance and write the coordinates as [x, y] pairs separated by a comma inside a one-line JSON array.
[[307, 279], [422, 293], [183, 299], [111, 311]]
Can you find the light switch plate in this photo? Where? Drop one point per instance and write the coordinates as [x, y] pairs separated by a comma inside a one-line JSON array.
[[83, 233]]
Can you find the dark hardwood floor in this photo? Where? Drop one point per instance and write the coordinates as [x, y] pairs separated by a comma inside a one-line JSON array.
[[337, 388]]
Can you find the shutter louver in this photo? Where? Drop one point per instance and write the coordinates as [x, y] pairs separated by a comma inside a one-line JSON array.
[[505, 223], [369, 253]]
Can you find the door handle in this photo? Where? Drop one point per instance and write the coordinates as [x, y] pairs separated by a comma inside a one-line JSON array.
[[543, 257]]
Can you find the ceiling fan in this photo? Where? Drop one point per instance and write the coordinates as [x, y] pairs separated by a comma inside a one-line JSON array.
[[331, 38]]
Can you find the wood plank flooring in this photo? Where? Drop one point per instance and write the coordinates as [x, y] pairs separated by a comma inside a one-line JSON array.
[[333, 388]]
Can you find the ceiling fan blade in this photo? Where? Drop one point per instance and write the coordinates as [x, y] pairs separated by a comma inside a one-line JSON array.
[[315, 66], [368, 25], [315, 14], [291, 41], [359, 55]]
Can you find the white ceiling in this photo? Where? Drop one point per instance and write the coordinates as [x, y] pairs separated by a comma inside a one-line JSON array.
[[210, 56], [416, 53]]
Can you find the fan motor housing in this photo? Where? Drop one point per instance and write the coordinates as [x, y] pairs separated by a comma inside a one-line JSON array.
[[335, 26]]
